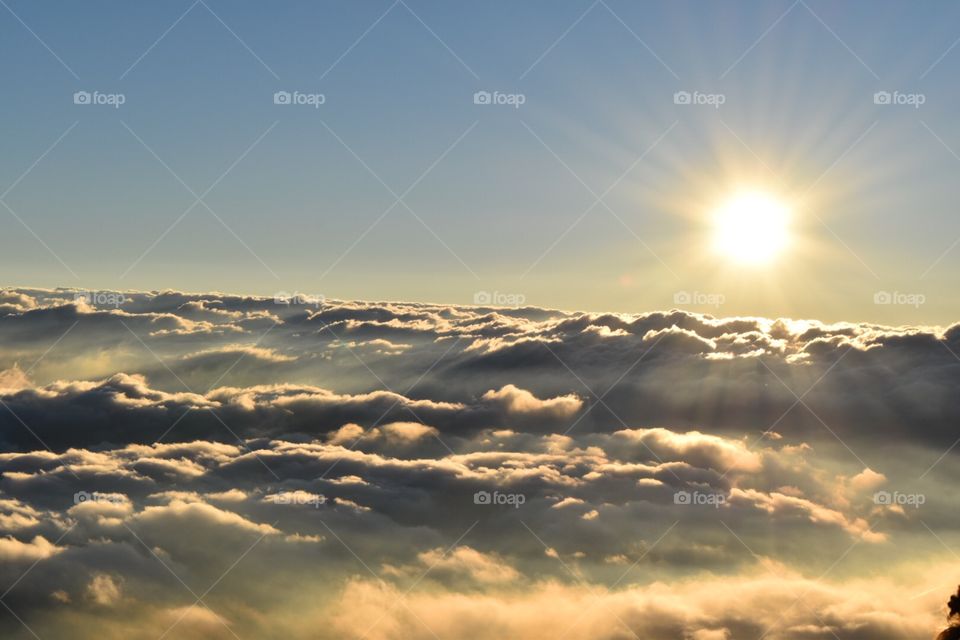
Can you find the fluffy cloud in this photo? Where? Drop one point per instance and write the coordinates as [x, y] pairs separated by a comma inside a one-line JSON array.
[[104, 590], [520, 401], [13, 550]]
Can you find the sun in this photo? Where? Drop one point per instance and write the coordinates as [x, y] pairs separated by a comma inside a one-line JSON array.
[[751, 228]]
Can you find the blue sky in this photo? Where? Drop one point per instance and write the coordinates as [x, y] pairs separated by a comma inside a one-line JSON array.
[[502, 198]]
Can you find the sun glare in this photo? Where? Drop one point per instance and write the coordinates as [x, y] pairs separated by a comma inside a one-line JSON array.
[[751, 228]]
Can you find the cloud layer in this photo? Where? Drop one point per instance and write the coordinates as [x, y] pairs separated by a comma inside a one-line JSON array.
[[229, 465]]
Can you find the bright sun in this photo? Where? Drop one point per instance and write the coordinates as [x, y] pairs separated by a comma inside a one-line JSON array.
[[751, 228]]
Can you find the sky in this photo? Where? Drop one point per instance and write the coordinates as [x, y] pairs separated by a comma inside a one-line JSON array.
[[398, 319], [399, 187]]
